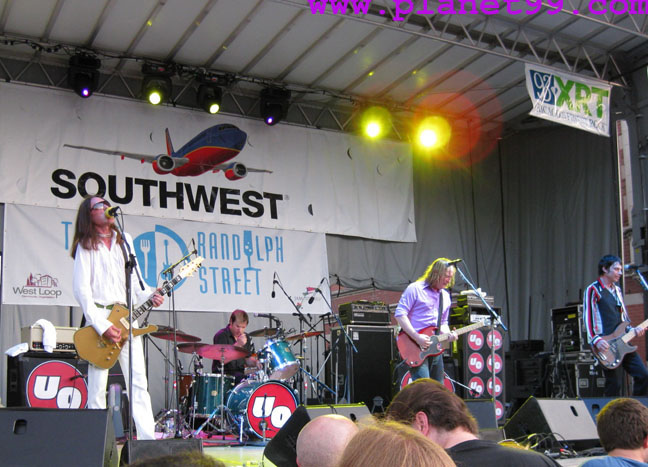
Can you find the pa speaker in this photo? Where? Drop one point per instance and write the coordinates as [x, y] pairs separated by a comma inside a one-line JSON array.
[[563, 419], [281, 449], [57, 437], [151, 448]]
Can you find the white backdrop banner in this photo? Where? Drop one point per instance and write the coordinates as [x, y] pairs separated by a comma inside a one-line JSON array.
[[56, 148], [238, 270], [569, 99]]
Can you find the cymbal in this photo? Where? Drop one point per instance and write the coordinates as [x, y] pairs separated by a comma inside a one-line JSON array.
[[265, 332], [303, 335], [166, 333], [191, 347], [226, 351]]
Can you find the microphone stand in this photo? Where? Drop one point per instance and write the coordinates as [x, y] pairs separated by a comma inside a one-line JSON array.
[[349, 343], [129, 266], [495, 320]]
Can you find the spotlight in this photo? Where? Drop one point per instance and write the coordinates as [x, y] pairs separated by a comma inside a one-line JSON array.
[[375, 122], [156, 85], [433, 132], [209, 98], [274, 105], [83, 74]]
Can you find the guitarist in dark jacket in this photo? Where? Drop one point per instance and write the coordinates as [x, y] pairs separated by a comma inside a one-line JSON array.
[[604, 312], [425, 304], [99, 282]]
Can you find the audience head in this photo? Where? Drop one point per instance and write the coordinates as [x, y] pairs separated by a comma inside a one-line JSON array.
[[622, 424], [428, 406], [394, 444], [321, 442]]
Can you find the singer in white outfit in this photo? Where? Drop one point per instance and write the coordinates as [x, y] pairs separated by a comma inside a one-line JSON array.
[[100, 282]]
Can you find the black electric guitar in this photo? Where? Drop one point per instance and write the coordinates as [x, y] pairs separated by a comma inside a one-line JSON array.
[[102, 352], [412, 353], [619, 347]]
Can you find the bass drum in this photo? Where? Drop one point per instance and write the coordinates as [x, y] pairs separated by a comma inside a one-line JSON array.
[[255, 403]]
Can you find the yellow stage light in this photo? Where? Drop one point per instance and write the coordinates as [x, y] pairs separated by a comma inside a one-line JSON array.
[[375, 122], [433, 132]]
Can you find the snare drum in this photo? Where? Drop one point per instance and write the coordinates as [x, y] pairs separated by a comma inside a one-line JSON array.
[[282, 364], [207, 390], [252, 402]]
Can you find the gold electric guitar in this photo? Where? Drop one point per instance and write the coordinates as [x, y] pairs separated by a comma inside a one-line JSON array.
[[102, 352]]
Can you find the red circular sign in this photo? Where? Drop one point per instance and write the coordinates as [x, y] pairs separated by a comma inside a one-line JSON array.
[[475, 339], [56, 385], [498, 339], [475, 363], [498, 363], [499, 409], [499, 387], [477, 385], [272, 402]]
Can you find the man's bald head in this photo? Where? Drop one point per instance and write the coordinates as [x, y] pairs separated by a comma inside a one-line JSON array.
[[322, 440]]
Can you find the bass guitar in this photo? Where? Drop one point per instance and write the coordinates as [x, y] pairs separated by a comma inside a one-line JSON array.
[[412, 353], [102, 352], [619, 347]]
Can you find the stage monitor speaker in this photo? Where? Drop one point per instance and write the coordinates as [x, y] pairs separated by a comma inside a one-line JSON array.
[[565, 420], [484, 412], [57, 437], [369, 368], [281, 449], [151, 448], [595, 404]]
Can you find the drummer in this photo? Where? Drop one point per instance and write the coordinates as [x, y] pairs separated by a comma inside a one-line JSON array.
[[234, 333]]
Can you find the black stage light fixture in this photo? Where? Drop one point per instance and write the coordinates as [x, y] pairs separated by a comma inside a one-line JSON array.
[[274, 105], [156, 84], [209, 97], [83, 74]]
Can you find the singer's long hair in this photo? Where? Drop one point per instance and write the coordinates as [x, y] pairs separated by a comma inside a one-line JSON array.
[[436, 271], [84, 232], [444, 409]]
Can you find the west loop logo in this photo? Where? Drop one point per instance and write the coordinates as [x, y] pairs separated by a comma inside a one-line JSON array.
[[39, 286], [56, 385]]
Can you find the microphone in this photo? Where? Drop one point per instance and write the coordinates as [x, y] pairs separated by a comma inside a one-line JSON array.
[[264, 315], [111, 212], [274, 281], [317, 290], [454, 262], [630, 267]]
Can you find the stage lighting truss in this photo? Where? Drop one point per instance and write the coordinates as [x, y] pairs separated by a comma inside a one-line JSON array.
[[156, 85], [209, 97], [274, 105], [83, 74]]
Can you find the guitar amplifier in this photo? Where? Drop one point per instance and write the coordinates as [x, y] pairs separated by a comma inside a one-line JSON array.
[[33, 335], [364, 312], [568, 329]]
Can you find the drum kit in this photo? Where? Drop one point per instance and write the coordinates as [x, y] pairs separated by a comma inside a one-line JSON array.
[[258, 405]]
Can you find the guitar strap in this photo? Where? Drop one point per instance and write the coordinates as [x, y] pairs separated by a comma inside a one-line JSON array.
[[439, 312]]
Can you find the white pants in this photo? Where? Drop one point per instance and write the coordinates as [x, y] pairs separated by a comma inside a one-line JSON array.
[[140, 401]]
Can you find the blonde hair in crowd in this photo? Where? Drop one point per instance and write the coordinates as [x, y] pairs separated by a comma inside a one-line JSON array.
[[393, 444], [436, 271]]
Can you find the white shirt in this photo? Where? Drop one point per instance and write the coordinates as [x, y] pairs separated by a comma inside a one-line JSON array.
[[99, 277]]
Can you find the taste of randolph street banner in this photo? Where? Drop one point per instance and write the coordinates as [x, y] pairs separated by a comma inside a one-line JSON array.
[[238, 270], [568, 99], [177, 163]]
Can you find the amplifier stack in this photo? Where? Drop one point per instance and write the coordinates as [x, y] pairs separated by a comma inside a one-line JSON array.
[[365, 312]]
